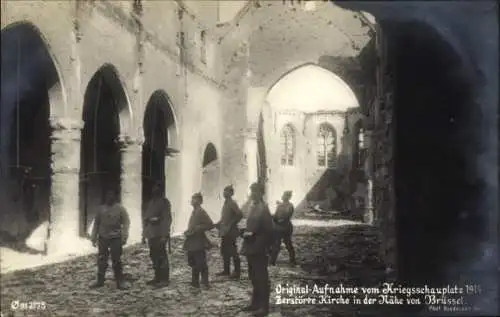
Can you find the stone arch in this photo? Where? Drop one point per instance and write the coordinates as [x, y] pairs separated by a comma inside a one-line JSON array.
[[109, 74], [210, 180], [57, 93], [107, 116], [32, 93], [161, 141], [310, 175], [209, 155], [275, 78], [445, 101]]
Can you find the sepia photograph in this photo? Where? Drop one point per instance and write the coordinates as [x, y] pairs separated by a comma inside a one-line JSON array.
[[234, 158]]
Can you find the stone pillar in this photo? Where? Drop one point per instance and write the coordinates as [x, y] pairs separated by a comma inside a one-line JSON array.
[[252, 154], [370, 216], [131, 185], [64, 214]]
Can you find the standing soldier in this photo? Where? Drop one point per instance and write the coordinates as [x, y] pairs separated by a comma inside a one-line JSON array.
[[157, 220], [229, 232], [257, 238], [197, 243], [283, 228], [110, 233]]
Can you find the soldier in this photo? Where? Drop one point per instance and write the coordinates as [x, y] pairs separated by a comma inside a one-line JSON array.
[[257, 238], [197, 243], [110, 232], [229, 232], [157, 220], [283, 228]]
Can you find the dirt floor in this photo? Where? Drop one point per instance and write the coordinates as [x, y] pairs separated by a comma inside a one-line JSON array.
[[344, 254]]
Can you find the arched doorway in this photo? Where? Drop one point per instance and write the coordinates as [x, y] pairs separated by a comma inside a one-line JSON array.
[[160, 136], [210, 181], [431, 173], [28, 74], [105, 102]]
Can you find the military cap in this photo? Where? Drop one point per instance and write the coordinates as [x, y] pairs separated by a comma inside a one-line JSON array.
[[288, 193], [198, 195], [229, 188], [258, 187]]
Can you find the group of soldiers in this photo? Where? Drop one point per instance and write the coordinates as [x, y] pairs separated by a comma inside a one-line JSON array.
[[262, 240]]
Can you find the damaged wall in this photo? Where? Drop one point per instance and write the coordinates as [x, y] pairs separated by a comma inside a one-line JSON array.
[[280, 38], [133, 39]]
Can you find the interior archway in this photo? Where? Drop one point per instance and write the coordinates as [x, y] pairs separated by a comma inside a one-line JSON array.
[[433, 112], [28, 74], [307, 95], [105, 102], [159, 131], [210, 181]]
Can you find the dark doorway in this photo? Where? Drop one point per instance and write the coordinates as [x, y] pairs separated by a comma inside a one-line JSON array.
[[28, 73], [210, 181], [158, 121], [210, 155], [100, 161], [434, 119]]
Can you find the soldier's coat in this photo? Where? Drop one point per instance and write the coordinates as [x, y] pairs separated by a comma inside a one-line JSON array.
[[199, 222], [260, 223]]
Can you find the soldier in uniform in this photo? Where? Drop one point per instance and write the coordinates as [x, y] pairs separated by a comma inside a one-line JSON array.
[[157, 220], [229, 232], [283, 228], [257, 238], [110, 233], [197, 243]]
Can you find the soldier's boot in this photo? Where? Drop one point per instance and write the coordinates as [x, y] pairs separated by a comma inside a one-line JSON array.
[[100, 281], [163, 277], [254, 302], [119, 277], [204, 277], [291, 252], [237, 268], [195, 278], [226, 267], [263, 303], [156, 278]]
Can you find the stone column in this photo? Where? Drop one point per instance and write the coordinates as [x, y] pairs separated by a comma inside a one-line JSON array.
[[251, 154], [370, 217], [131, 184], [64, 214]]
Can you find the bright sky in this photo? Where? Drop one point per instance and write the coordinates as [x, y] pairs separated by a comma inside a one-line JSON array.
[[310, 89]]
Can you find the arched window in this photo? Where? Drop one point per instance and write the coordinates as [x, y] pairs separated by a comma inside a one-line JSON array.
[[203, 47], [327, 146], [287, 145], [361, 148]]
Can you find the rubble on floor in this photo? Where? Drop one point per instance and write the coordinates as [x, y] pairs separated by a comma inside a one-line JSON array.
[[336, 254]]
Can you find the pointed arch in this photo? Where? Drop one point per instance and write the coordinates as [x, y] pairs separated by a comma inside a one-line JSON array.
[[209, 155], [326, 145], [288, 144]]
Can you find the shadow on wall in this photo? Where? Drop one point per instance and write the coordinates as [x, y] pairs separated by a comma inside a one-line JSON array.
[[28, 73]]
